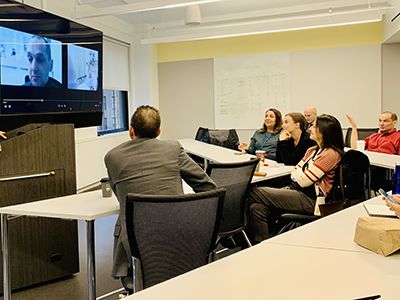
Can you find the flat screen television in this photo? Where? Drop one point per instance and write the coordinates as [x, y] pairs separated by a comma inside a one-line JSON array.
[[50, 69]]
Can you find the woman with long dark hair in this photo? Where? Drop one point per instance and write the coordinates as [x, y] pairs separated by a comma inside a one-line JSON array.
[[313, 176], [266, 138]]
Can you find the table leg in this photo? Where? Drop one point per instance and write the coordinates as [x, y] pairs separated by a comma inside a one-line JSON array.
[[6, 258], [91, 263], [205, 164]]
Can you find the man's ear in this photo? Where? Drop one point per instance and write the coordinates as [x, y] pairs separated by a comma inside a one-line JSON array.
[[132, 132], [158, 132]]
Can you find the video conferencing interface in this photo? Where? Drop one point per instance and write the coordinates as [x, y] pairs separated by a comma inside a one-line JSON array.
[[35, 64], [83, 68]]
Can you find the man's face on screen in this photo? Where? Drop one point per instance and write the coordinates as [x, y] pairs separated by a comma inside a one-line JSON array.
[[40, 64]]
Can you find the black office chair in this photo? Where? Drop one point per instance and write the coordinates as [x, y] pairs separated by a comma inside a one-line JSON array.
[[362, 134], [202, 135], [351, 186], [171, 234], [227, 138], [236, 179]]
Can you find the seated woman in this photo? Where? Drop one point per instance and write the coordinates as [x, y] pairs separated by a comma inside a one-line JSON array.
[[294, 140], [313, 174], [267, 137]]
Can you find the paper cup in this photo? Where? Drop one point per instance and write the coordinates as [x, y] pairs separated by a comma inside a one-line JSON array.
[[361, 145], [260, 154]]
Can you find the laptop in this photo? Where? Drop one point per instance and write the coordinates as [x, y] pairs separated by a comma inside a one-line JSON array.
[[379, 210]]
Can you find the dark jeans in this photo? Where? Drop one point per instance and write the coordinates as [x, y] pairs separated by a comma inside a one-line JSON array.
[[267, 204]]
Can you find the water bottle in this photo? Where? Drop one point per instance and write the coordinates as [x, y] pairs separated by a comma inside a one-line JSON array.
[[396, 180]]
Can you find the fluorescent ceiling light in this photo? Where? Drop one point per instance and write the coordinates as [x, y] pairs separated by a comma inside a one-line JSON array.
[[290, 29], [261, 28]]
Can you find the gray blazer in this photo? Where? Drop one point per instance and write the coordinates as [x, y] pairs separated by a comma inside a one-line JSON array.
[[148, 166]]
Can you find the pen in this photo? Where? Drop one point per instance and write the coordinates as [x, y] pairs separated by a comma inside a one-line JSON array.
[[369, 297]]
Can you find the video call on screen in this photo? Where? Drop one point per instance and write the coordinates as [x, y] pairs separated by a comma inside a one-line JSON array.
[[16, 56]]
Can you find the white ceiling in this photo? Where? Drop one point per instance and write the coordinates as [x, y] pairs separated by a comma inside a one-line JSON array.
[[230, 17]]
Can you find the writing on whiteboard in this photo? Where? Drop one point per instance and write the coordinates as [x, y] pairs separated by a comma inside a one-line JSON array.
[[245, 86]]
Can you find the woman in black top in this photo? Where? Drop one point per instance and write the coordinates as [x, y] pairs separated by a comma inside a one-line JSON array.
[[294, 140]]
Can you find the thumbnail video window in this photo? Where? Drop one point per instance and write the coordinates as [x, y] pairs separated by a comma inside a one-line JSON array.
[[83, 68], [29, 60], [115, 112]]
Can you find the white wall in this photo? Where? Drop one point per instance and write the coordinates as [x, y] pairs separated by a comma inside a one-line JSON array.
[[145, 75], [391, 78], [339, 81]]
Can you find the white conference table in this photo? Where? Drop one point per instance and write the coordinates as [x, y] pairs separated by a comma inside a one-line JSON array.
[[335, 231], [383, 160], [223, 155], [272, 271], [316, 261], [87, 206], [213, 152]]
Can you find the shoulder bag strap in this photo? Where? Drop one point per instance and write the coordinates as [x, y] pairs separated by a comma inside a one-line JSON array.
[[341, 182]]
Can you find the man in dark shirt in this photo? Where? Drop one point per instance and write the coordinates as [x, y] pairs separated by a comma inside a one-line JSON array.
[[310, 113], [40, 64]]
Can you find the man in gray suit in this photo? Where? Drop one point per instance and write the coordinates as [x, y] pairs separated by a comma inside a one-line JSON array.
[[146, 165]]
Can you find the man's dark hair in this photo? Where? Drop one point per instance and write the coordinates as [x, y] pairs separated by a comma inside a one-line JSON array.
[[45, 43], [146, 121]]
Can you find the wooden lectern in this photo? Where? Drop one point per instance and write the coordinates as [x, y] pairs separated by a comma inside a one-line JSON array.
[[37, 162]]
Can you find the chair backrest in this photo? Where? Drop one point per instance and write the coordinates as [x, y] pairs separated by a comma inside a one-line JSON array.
[[202, 135], [352, 178], [227, 138], [171, 235], [362, 134], [235, 178]]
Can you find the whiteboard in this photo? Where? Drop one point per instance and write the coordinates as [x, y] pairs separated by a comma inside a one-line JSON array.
[[246, 86]]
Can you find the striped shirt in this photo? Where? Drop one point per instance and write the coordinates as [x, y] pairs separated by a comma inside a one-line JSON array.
[[319, 168]]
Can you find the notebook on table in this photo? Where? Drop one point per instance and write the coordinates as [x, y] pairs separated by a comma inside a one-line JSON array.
[[379, 210]]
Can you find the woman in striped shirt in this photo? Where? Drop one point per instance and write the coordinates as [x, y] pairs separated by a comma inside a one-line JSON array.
[[311, 177]]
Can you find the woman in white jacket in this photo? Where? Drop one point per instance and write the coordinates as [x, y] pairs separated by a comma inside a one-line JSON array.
[[317, 167]]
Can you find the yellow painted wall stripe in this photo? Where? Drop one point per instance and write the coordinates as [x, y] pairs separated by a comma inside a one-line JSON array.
[[329, 37]]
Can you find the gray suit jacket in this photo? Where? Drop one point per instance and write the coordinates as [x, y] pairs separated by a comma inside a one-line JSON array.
[[148, 166]]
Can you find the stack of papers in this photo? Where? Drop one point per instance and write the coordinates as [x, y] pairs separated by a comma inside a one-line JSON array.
[[379, 210]]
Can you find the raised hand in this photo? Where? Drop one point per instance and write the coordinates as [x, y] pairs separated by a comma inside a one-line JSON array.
[[352, 121]]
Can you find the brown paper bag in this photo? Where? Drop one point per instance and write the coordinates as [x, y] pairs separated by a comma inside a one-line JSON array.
[[380, 235]]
